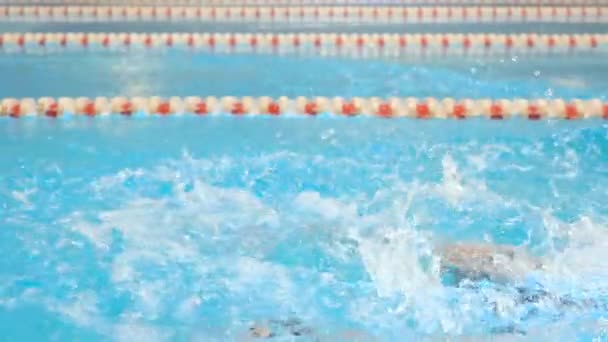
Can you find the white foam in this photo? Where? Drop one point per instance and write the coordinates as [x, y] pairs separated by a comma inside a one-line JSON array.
[[138, 332], [186, 310], [577, 252], [81, 308], [106, 182], [459, 191], [24, 196], [166, 240], [392, 260], [452, 187], [328, 209], [99, 236], [163, 240], [249, 274]]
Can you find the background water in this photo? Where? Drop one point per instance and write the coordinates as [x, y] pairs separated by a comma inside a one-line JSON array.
[[194, 228], [185, 73]]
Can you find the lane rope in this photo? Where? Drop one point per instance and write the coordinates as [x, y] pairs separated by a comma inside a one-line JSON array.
[[427, 108], [344, 14], [303, 2], [351, 44]]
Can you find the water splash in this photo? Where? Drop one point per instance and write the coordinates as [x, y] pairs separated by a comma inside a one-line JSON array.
[[202, 247]]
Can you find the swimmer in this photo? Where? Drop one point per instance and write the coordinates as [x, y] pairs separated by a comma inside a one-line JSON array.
[[503, 264], [498, 263], [291, 327]]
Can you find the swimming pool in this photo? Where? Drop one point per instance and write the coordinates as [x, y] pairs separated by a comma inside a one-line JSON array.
[[148, 227], [176, 228], [308, 70]]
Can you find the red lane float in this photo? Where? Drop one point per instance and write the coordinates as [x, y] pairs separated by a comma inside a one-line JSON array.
[[428, 108]]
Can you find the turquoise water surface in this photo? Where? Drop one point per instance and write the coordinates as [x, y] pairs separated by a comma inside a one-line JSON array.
[[190, 228], [186, 73], [199, 228]]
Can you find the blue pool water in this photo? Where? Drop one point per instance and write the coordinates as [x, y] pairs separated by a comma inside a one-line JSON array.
[[185, 73], [199, 228], [189, 228]]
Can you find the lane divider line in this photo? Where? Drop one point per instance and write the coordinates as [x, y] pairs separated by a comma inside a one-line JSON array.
[[304, 2], [394, 107], [350, 44], [345, 14]]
